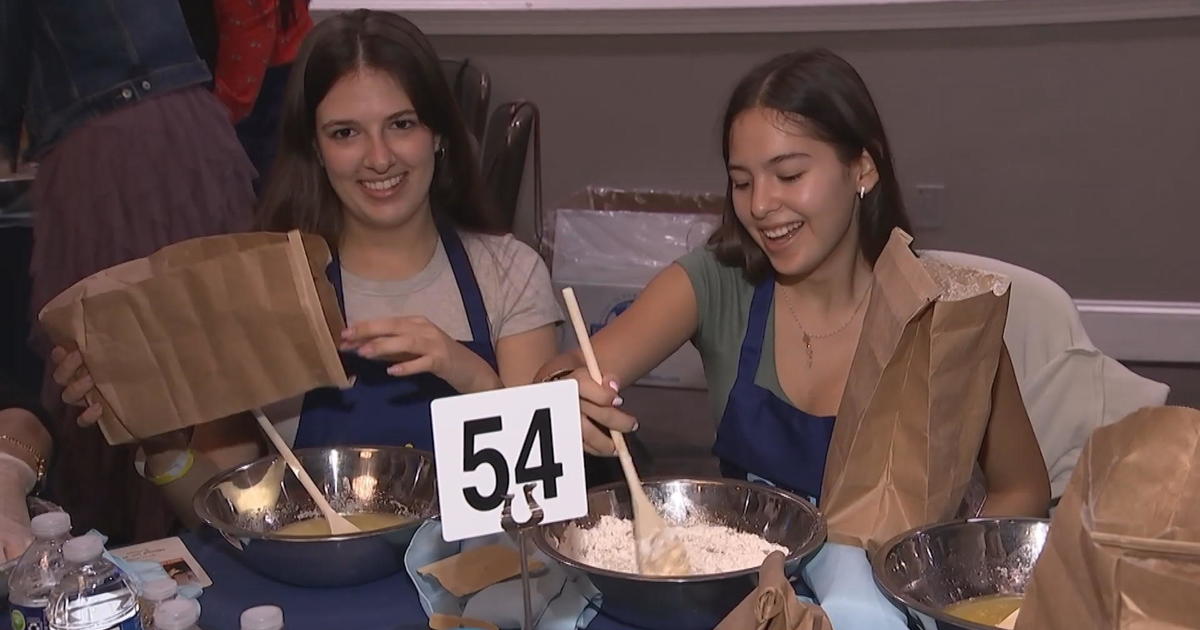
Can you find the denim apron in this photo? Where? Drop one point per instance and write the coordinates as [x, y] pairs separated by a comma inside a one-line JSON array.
[[761, 435]]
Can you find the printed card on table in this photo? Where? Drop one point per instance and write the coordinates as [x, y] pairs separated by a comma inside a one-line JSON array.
[[171, 553]]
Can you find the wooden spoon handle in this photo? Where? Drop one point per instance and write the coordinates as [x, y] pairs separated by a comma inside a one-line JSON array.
[[589, 357], [336, 521]]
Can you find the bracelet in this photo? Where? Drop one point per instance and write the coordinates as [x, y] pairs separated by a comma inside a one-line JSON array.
[[180, 467], [558, 374], [39, 462]]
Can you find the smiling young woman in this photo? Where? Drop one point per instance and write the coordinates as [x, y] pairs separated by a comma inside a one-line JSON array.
[[775, 301], [375, 158]]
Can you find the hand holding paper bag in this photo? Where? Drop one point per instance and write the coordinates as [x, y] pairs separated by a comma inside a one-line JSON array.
[[202, 329]]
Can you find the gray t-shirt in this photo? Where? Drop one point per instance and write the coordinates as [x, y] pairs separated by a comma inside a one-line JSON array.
[[723, 297], [512, 278]]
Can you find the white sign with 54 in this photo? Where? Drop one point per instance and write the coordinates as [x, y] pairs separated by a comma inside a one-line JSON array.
[[488, 445]]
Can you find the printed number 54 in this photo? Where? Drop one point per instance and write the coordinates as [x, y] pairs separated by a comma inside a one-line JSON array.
[[548, 471]]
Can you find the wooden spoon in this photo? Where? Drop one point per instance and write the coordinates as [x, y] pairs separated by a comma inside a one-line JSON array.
[[658, 551], [338, 525]]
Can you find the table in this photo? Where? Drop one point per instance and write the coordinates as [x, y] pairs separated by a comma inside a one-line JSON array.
[[387, 604]]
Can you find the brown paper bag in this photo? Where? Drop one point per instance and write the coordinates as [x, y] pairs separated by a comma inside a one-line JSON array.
[[928, 371], [476, 569], [1124, 545], [203, 329], [773, 604]]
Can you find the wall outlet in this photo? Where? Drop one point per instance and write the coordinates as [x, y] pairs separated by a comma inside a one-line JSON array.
[[928, 207]]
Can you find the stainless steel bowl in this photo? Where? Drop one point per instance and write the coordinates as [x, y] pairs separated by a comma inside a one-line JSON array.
[[932, 567], [248, 503], [680, 603]]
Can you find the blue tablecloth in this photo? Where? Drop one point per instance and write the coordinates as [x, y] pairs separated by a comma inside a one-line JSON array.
[[388, 604]]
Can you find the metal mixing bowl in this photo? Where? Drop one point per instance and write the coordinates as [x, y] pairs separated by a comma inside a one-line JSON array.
[[699, 601], [248, 503], [932, 567]]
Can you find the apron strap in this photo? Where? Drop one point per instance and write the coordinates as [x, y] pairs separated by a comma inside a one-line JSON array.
[[472, 297], [468, 288], [333, 271], [756, 327]]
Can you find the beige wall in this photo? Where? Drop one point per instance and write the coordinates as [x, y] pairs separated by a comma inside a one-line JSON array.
[[1073, 150]]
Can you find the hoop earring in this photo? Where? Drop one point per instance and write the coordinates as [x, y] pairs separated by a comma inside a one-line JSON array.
[[440, 152], [862, 192]]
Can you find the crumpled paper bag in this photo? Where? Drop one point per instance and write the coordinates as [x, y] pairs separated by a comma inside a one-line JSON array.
[[929, 371], [203, 329], [773, 605], [1124, 545]]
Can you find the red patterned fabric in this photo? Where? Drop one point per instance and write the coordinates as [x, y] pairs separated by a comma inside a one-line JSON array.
[[252, 39]]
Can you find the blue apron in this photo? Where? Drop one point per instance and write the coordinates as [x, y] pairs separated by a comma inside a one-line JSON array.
[[761, 435], [381, 409]]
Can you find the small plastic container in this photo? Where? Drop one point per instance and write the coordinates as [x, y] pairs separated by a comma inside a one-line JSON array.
[[177, 614], [262, 618], [154, 593]]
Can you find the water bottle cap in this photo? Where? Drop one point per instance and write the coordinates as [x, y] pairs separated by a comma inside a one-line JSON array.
[[160, 589], [50, 524], [262, 618], [83, 548], [176, 614]]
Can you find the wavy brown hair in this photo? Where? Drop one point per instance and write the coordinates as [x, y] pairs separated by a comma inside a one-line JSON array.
[[298, 194], [824, 93]]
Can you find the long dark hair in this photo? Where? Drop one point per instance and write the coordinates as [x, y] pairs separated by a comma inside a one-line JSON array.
[[298, 194], [823, 91]]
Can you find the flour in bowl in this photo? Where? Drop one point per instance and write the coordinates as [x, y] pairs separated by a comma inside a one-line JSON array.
[[710, 548]]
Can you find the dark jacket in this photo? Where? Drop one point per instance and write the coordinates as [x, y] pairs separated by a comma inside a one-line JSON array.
[[64, 61]]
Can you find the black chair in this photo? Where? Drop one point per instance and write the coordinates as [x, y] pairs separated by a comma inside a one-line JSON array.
[[505, 151], [472, 89]]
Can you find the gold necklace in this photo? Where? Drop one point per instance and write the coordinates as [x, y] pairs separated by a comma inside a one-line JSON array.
[[808, 338]]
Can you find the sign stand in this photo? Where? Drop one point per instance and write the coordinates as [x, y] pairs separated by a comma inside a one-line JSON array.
[[522, 532]]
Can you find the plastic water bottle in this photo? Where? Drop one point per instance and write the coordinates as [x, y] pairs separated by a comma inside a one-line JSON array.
[[93, 594], [262, 618], [177, 614], [155, 592], [38, 571]]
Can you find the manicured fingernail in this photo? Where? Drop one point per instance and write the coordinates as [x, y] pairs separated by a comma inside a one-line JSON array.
[[618, 401], [635, 426], [613, 385]]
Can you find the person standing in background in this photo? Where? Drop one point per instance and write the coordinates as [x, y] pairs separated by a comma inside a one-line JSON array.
[[257, 42], [25, 448], [134, 154]]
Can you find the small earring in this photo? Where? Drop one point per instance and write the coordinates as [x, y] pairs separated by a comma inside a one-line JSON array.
[[862, 191], [440, 152]]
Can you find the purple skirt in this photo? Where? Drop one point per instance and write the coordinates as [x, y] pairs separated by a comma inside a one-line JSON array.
[[119, 187]]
